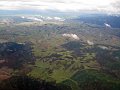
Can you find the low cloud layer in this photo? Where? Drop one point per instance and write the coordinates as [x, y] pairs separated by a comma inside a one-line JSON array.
[[72, 36], [108, 6], [107, 25], [90, 42]]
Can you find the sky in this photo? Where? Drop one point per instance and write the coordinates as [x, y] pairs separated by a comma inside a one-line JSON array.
[[107, 6]]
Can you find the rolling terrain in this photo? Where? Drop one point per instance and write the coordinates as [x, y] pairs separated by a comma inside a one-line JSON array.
[[64, 55]]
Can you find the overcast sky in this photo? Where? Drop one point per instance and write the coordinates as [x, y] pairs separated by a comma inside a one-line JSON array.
[[108, 6]]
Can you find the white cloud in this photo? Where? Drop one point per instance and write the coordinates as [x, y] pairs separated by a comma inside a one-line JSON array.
[[103, 47], [90, 42], [109, 6], [107, 25], [73, 36], [35, 19], [59, 19], [42, 18]]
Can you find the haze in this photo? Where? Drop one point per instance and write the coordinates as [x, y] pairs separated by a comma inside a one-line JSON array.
[[99, 6]]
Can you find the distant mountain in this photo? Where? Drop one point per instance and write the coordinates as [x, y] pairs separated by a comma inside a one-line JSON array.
[[50, 13], [100, 19]]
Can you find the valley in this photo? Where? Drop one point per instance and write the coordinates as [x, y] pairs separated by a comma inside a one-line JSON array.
[[73, 54]]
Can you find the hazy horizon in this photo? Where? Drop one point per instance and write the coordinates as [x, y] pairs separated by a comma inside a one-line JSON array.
[[59, 6]]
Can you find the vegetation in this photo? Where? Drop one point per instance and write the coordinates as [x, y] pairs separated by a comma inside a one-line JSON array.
[[36, 56], [24, 83]]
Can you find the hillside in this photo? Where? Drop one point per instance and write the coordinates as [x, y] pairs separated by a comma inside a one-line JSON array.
[[74, 55]]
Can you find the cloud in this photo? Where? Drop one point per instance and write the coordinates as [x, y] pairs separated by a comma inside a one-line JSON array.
[[103, 47], [42, 18], [90, 42], [108, 6], [73, 36], [116, 4], [107, 25]]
